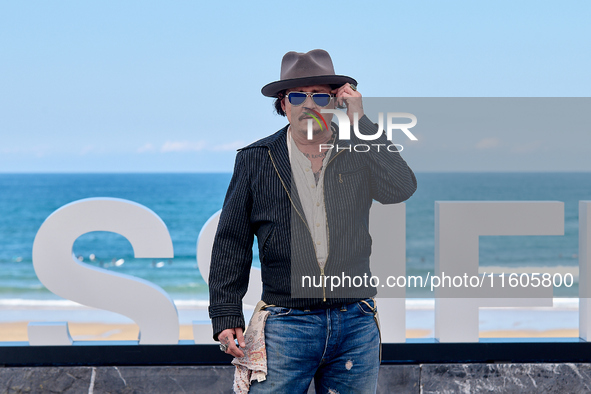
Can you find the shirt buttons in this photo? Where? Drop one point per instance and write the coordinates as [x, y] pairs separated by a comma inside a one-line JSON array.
[[307, 169], [317, 204], [317, 224], [317, 242], [313, 186]]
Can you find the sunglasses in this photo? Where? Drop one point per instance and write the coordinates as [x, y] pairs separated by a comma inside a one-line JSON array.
[[298, 98]]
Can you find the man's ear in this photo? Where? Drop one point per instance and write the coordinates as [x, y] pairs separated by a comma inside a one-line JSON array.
[[283, 103]]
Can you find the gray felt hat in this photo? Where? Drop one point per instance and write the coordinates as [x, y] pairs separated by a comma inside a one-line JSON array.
[[305, 69]]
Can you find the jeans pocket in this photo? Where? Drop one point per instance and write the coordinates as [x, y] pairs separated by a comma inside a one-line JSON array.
[[277, 311], [367, 306]]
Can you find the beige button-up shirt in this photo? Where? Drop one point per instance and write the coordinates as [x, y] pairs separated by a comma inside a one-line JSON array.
[[311, 196]]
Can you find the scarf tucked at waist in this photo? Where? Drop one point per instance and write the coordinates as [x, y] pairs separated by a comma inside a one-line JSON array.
[[253, 366]]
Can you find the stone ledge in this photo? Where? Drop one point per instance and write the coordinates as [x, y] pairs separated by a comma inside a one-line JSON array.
[[425, 378], [505, 378], [95, 380]]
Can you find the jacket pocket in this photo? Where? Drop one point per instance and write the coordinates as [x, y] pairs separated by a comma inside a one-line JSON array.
[[351, 176], [352, 191], [265, 239]]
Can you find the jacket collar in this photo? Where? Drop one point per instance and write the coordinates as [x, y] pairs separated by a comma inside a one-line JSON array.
[[276, 144]]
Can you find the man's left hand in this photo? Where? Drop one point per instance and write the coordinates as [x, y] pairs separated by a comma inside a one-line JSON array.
[[354, 103]]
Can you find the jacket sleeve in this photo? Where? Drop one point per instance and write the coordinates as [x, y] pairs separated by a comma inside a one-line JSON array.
[[231, 256], [391, 179]]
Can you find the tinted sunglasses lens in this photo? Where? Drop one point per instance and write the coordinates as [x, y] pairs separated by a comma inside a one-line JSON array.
[[296, 98], [321, 99]]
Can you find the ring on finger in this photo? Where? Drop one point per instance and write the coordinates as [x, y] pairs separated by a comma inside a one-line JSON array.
[[354, 87], [223, 347]]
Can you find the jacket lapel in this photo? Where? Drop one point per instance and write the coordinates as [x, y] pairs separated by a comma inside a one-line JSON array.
[[278, 150]]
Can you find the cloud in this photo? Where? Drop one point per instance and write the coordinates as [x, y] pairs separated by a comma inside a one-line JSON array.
[[182, 146], [488, 143], [145, 148], [229, 146]]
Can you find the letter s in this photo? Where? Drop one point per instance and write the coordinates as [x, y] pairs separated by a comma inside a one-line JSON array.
[[140, 300]]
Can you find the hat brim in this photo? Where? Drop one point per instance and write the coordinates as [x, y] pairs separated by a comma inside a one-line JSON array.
[[271, 89]]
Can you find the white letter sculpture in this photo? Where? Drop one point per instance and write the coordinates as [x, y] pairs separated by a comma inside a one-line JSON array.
[[457, 228], [56, 267]]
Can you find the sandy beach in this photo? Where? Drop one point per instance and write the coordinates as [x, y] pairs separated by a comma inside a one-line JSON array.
[[89, 324], [17, 331]]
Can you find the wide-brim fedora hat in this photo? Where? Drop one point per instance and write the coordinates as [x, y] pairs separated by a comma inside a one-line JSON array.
[[306, 69]]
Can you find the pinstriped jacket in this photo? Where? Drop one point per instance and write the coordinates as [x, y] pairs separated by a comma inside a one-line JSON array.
[[262, 200]]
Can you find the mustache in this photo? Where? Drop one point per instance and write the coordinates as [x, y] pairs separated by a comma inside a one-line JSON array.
[[304, 115], [309, 111]]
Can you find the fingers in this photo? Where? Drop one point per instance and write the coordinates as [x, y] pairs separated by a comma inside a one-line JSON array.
[[346, 91], [227, 337], [233, 349], [227, 333], [339, 96], [240, 337], [343, 92]]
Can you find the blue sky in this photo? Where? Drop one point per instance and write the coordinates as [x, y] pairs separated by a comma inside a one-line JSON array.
[[154, 86]]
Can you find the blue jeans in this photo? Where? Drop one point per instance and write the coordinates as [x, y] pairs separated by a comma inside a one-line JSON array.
[[338, 348]]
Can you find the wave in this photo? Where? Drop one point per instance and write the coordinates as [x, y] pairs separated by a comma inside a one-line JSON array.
[[411, 304], [68, 304]]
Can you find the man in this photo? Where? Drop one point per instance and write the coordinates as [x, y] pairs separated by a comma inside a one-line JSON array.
[[309, 206]]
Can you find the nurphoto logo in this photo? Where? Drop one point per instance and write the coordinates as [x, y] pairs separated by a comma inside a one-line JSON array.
[[345, 129]]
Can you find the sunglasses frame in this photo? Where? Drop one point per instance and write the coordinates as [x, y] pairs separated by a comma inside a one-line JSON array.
[[331, 96]]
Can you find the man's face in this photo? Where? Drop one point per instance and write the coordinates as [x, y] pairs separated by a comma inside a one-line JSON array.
[[298, 115]]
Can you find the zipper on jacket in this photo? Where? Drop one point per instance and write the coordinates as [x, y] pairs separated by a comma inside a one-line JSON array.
[[326, 221], [290, 200], [323, 289], [324, 201], [306, 223]]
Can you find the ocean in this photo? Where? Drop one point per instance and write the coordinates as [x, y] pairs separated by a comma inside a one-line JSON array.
[[186, 201]]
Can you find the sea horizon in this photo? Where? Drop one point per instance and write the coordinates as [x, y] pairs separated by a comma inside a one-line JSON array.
[[185, 201]]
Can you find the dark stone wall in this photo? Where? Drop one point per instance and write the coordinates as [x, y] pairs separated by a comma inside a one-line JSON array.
[[506, 378], [97, 380], [425, 378]]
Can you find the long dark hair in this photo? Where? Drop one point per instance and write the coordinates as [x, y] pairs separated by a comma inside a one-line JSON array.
[[277, 103]]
